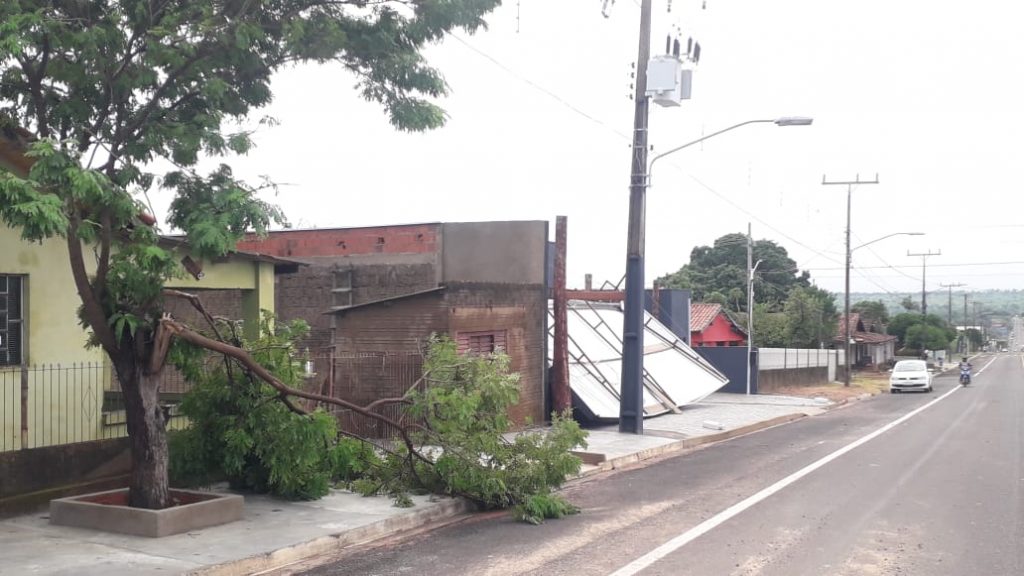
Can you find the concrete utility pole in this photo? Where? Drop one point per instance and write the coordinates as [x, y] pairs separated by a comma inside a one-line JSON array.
[[949, 317], [924, 269], [751, 268], [631, 409], [846, 306], [561, 394], [967, 341]]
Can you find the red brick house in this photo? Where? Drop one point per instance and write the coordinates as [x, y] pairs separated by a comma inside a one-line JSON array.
[[710, 325], [372, 296]]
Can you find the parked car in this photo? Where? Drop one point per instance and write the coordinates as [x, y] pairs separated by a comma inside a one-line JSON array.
[[910, 375]]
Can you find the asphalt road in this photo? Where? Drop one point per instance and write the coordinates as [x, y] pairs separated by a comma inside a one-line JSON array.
[[938, 492]]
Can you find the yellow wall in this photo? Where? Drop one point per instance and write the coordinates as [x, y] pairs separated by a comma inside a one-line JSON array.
[[64, 403], [51, 300], [234, 273]]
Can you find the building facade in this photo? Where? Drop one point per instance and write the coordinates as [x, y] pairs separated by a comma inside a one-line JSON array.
[[373, 296]]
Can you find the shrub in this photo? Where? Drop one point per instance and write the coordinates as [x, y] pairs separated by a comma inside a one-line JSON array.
[[465, 414]]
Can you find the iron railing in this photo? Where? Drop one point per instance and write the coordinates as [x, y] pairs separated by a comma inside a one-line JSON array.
[[54, 404]]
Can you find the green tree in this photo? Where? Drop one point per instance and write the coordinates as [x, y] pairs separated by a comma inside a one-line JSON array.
[[901, 324], [769, 327], [723, 268], [872, 311], [923, 336], [106, 87], [807, 324]]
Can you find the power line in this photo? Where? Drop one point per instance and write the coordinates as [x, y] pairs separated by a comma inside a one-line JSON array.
[[540, 88], [754, 216], [883, 261], [622, 135], [945, 265]]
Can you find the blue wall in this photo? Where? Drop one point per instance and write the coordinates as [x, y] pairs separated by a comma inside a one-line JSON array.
[[673, 311], [732, 361]]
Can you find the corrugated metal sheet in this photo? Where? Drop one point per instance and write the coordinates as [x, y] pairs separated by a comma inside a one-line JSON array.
[[674, 375]]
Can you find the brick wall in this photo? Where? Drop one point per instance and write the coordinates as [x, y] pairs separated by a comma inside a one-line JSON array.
[[408, 239], [226, 303], [306, 295], [520, 310], [403, 326]]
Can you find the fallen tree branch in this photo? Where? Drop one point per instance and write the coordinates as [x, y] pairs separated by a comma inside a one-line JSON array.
[[198, 305], [191, 336]]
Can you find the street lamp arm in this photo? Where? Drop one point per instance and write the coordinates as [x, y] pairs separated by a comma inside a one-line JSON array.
[[887, 236], [698, 141]]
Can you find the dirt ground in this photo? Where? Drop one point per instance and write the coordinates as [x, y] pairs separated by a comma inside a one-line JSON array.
[[862, 383]]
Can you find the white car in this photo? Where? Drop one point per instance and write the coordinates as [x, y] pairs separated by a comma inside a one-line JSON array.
[[910, 375]]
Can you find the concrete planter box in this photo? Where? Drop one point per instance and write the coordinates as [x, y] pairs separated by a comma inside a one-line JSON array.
[[108, 511]]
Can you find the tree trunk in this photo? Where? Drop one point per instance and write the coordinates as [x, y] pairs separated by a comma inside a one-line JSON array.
[[147, 436]]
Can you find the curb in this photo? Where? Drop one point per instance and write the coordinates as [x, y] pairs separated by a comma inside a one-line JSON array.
[[848, 401], [621, 461], [282, 557], [289, 555]]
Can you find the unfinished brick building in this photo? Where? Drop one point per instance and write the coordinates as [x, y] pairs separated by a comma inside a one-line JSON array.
[[373, 295]]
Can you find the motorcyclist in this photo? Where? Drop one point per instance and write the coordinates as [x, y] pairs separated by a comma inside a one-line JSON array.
[[965, 369]]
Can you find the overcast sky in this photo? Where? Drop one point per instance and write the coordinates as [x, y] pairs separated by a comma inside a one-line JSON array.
[[927, 94]]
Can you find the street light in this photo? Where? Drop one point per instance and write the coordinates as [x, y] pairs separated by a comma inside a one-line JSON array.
[[631, 417], [888, 236], [783, 121], [846, 307]]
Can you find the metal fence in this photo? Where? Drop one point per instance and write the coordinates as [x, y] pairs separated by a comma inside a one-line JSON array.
[[790, 358], [56, 404], [364, 377], [50, 405]]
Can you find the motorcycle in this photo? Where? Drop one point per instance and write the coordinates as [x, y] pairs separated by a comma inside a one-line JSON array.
[[965, 376]]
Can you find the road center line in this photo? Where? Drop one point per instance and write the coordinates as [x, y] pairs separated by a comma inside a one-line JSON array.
[[706, 526]]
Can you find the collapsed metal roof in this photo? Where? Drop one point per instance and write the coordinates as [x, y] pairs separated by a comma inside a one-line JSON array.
[[674, 375]]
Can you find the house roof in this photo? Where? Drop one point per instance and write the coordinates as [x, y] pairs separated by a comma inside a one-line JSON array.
[[702, 314], [343, 309], [858, 333], [854, 323], [871, 337], [180, 242]]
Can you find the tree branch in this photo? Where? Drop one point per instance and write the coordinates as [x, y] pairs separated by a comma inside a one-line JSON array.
[[243, 357], [91, 306], [103, 265], [198, 305], [161, 344]]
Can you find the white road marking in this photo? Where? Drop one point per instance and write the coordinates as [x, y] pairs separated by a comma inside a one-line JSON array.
[[706, 526]]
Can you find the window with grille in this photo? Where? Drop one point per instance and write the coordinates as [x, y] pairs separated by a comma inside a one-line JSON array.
[[11, 323], [481, 343]]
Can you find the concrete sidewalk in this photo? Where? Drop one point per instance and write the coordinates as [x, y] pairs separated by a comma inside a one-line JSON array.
[[275, 533]]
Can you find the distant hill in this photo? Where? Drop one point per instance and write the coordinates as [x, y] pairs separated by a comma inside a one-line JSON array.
[[992, 304]]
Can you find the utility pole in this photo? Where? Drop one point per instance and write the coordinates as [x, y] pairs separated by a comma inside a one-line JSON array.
[[846, 307], [949, 317], [924, 268], [631, 409], [751, 267], [967, 341]]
